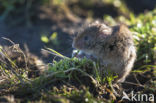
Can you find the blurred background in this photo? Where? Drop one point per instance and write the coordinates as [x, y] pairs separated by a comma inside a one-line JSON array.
[[50, 23]]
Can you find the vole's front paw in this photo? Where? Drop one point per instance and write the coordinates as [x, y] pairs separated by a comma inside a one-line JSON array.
[[80, 54]]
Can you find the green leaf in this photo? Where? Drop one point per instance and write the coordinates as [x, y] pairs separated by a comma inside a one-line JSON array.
[[44, 39]]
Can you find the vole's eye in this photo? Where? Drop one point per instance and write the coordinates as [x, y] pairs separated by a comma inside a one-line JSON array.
[[86, 38]]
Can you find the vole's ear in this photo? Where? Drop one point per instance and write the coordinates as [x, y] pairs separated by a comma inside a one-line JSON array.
[[122, 30]]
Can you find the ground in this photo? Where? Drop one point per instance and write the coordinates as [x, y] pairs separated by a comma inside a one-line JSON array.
[[28, 74]]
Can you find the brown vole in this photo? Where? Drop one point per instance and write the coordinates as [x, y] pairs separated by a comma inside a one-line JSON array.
[[112, 46]]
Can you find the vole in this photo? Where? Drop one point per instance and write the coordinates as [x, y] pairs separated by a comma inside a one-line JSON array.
[[112, 46]]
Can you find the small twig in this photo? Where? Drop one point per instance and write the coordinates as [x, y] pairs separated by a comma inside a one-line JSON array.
[[72, 69], [8, 40], [112, 88], [133, 84], [136, 79], [50, 52], [111, 93]]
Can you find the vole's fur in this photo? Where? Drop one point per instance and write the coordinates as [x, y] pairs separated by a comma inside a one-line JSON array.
[[112, 46]]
